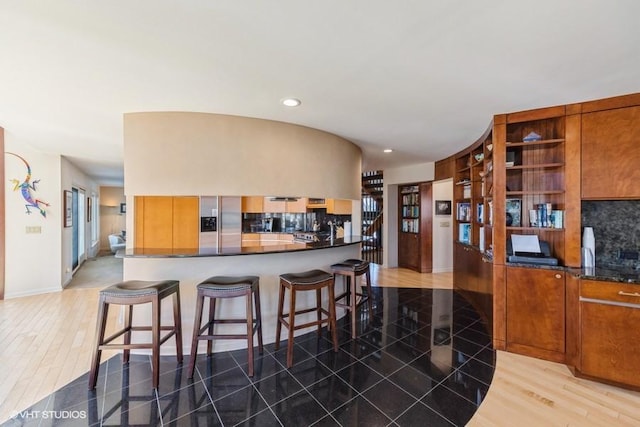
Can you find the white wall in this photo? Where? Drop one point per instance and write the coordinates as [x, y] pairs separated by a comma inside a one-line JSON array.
[[32, 259], [38, 256], [443, 228]]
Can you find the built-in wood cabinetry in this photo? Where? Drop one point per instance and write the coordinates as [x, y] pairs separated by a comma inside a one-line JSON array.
[[339, 207], [535, 312], [167, 222], [610, 153], [414, 234], [609, 348], [253, 204]]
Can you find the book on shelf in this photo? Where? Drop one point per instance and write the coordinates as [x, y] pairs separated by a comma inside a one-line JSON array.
[[481, 239], [466, 191], [544, 216], [513, 207], [464, 233], [464, 211], [490, 206], [480, 212]]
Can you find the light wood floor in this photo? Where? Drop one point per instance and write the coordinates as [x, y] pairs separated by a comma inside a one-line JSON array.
[[45, 342]]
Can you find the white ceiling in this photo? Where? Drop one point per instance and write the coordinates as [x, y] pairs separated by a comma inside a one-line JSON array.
[[423, 77]]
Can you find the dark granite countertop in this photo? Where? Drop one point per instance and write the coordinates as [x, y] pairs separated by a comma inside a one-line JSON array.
[[245, 250], [609, 273]]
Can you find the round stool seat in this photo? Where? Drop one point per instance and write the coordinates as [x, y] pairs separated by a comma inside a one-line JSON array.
[[229, 283], [311, 277], [138, 288], [354, 265]]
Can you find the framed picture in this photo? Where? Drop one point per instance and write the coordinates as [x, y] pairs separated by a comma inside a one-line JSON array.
[[443, 207], [123, 208], [68, 208], [88, 209]]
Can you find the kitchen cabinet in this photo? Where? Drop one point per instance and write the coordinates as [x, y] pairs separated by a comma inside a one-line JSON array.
[[339, 207], [535, 312], [610, 153], [415, 222], [273, 205], [252, 204], [167, 222], [609, 319], [250, 239], [297, 206]]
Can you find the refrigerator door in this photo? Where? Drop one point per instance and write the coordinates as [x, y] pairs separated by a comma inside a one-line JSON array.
[[230, 225]]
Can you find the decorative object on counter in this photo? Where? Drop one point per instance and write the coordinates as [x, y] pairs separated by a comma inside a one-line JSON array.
[[347, 228], [25, 189], [532, 136], [588, 244], [479, 157]]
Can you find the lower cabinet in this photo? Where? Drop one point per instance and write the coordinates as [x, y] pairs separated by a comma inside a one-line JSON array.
[[473, 277], [535, 312], [609, 338]]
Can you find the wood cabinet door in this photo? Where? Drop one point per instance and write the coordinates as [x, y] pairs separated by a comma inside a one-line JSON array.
[[536, 312], [252, 204], [186, 222], [339, 207], [273, 206], [610, 154], [610, 347], [154, 222], [409, 251], [298, 206]]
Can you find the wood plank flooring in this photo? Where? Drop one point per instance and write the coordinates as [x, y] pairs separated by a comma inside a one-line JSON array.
[[45, 342]]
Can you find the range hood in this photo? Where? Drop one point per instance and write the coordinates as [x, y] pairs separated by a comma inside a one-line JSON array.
[[284, 199]]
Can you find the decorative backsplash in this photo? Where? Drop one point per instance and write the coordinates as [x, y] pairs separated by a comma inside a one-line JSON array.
[[616, 226]]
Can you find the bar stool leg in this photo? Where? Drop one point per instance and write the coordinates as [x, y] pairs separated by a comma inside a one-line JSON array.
[[177, 324], [332, 314], [212, 315], [292, 316], [319, 310], [155, 339], [128, 316], [250, 332], [256, 297], [97, 352], [280, 315], [196, 331]]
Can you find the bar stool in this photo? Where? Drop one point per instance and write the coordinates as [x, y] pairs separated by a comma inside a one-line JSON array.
[[313, 280], [351, 269], [131, 293], [227, 287]]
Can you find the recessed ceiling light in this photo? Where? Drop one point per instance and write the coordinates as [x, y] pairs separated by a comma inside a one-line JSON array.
[[388, 150], [291, 102]]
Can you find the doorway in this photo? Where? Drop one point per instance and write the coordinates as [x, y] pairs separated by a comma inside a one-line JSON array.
[[78, 212]]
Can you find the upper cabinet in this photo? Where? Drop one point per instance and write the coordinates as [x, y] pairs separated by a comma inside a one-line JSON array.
[[610, 154], [252, 204], [339, 207]]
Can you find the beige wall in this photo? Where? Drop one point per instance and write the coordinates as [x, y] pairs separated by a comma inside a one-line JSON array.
[[176, 153]]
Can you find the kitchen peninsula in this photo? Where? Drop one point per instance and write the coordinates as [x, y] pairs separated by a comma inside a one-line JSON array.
[[206, 164]]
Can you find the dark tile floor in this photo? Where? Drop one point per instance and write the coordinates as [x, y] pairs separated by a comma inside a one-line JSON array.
[[424, 358]]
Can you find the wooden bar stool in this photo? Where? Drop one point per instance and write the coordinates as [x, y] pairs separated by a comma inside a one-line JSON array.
[[227, 287], [313, 280], [130, 293], [350, 270]]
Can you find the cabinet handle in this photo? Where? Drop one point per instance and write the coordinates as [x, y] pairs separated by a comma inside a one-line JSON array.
[[629, 294]]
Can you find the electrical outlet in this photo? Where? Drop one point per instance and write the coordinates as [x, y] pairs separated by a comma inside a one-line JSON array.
[[34, 229], [445, 224]]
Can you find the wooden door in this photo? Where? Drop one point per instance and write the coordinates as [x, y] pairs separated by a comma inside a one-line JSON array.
[[154, 222]]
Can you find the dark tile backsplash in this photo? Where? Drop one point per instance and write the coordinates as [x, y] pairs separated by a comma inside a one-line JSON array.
[[616, 226]]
